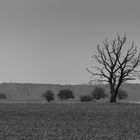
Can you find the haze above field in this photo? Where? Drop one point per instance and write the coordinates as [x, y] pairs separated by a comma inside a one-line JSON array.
[[51, 41]]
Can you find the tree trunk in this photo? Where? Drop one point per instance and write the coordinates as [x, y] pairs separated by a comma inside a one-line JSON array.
[[113, 98], [113, 95]]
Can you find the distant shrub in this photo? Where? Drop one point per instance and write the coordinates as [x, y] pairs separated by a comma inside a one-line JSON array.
[[122, 94], [65, 94], [48, 95], [98, 93], [85, 98], [2, 96]]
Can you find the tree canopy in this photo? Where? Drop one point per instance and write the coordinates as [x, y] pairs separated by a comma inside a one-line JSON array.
[[116, 63]]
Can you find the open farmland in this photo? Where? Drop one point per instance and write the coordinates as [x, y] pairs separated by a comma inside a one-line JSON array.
[[75, 121]]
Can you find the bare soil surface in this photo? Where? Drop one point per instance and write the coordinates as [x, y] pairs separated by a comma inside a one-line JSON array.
[[77, 121]]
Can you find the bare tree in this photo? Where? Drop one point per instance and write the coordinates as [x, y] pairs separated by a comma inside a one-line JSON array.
[[116, 64]]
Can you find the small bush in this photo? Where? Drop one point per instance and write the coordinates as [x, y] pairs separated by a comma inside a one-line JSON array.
[[122, 94], [85, 98], [65, 94], [48, 95], [98, 93], [2, 96]]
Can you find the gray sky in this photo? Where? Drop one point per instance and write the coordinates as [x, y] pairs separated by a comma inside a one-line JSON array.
[[51, 41]]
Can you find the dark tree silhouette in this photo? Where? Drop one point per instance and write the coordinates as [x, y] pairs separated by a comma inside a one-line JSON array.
[[98, 93], [2, 96], [48, 95], [116, 64], [122, 94], [65, 94]]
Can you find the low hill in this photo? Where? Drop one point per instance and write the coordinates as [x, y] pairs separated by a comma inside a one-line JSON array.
[[32, 92]]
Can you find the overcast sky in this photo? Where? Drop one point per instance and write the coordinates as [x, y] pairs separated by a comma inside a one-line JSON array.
[[51, 41]]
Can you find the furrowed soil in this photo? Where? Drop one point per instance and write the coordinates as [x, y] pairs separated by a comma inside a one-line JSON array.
[[75, 121]]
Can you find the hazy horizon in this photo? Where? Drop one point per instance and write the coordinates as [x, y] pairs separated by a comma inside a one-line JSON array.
[[52, 41]]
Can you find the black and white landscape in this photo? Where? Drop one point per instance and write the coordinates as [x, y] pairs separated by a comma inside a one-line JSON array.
[[69, 70]]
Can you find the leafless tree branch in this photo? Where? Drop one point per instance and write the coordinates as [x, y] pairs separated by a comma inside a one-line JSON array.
[[116, 65]]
